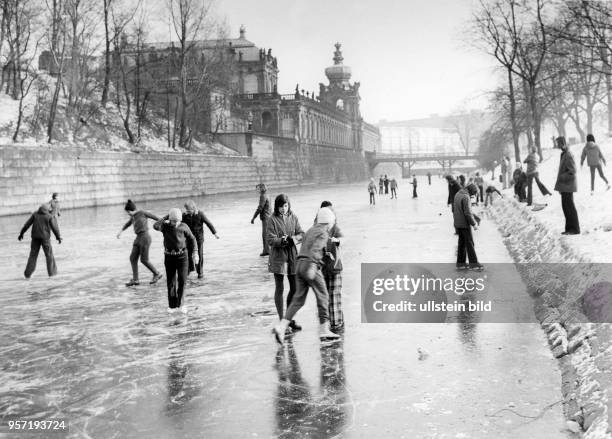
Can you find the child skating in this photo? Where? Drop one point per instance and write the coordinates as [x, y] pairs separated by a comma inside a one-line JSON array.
[[142, 242], [309, 262]]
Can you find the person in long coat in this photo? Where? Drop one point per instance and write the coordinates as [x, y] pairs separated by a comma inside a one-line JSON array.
[[566, 185]]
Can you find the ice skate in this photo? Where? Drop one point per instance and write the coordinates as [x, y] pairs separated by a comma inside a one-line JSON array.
[[476, 266], [294, 326], [325, 333], [156, 277], [280, 330], [132, 283]]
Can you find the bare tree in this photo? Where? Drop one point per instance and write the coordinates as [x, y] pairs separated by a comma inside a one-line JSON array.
[[57, 38]]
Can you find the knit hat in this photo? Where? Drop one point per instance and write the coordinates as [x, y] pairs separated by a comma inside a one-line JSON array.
[[130, 206], [325, 216], [175, 214]]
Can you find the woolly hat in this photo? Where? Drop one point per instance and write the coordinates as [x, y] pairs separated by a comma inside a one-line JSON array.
[[325, 216], [175, 214], [130, 206]]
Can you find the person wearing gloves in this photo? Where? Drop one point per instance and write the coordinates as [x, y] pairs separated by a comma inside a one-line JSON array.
[[42, 223], [309, 262], [284, 233], [142, 242], [195, 220], [463, 222], [177, 238], [594, 158]]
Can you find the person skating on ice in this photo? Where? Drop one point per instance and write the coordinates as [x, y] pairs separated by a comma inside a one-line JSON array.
[[394, 186], [386, 181], [195, 220], [309, 262], [594, 158], [263, 211], [284, 233], [533, 174], [54, 205], [414, 187], [381, 184], [372, 191], [142, 243], [566, 185], [177, 239], [42, 223], [464, 221]]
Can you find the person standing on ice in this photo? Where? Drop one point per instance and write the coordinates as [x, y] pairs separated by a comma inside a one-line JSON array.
[[177, 239], [414, 187], [142, 243], [386, 181], [479, 182], [429, 178], [372, 191], [42, 223], [309, 262], [381, 184], [519, 179], [566, 185], [463, 221], [263, 210], [195, 220], [532, 174], [453, 188], [283, 233], [393, 185], [54, 206], [594, 158]]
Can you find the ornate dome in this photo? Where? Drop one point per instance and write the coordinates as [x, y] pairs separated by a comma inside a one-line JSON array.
[[338, 73]]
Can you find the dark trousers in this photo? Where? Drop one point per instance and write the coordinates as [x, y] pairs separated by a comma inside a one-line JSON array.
[[278, 292], [569, 210], [196, 267], [309, 275], [543, 190], [480, 194], [176, 274], [393, 193], [601, 174], [429, 179], [264, 225], [34, 250], [386, 188], [140, 249], [519, 191], [414, 192], [372, 198], [465, 246]]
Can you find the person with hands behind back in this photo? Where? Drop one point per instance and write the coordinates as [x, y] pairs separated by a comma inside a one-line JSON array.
[[42, 223]]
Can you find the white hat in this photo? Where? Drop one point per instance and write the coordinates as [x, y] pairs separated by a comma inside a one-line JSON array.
[[175, 214], [325, 216]]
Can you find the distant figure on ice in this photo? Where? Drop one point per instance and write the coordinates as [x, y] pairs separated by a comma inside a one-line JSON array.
[[566, 185], [594, 158], [332, 272], [504, 170], [309, 262], [532, 174], [177, 239], [393, 185], [519, 179], [386, 181], [142, 243], [195, 220], [283, 233], [42, 225], [479, 182], [54, 205], [508, 171], [381, 184], [414, 187], [429, 178], [491, 189], [263, 210], [463, 222], [372, 191]]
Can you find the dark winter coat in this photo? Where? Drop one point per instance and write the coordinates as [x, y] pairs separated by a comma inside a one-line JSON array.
[[314, 244], [453, 188], [462, 212], [333, 264], [566, 178], [592, 154], [263, 208], [283, 255], [195, 222], [176, 238], [140, 221], [42, 223], [532, 164]]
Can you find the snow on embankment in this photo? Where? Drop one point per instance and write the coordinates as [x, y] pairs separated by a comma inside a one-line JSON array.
[[557, 283]]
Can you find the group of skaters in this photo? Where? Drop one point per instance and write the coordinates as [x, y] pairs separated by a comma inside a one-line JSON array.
[[385, 183], [317, 264]]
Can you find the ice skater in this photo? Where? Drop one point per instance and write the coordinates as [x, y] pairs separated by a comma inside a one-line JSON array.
[[332, 272], [594, 158], [381, 184], [42, 223], [177, 239], [414, 187], [463, 221], [429, 178], [284, 233], [479, 182], [386, 181], [372, 191], [195, 220], [532, 174], [309, 262], [393, 185], [263, 210], [566, 185], [54, 205], [142, 242], [489, 191], [519, 180]]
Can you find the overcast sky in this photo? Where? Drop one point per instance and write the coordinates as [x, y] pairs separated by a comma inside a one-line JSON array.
[[410, 56]]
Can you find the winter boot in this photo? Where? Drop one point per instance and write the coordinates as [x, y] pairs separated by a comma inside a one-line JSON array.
[[325, 333], [294, 326], [156, 277], [280, 329]]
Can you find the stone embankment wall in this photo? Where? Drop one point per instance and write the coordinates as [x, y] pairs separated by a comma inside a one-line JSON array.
[[556, 277], [92, 178]]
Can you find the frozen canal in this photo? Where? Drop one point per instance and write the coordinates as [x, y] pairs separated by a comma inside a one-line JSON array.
[[109, 358]]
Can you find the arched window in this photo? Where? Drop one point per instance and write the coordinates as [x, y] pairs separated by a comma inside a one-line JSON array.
[[266, 122]]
